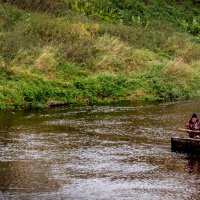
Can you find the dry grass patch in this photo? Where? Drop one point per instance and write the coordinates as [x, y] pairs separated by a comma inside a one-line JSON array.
[[115, 56], [179, 70], [181, 46], [46, 62], [2, 63]]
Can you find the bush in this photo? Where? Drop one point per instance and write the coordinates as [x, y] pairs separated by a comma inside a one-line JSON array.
[[193, 27], [51, 6]]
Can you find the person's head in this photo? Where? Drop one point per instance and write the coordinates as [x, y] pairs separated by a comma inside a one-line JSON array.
[[194, 117]]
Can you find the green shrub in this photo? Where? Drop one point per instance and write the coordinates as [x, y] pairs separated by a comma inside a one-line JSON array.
[[68, 71], [11, 16], [193, 27]]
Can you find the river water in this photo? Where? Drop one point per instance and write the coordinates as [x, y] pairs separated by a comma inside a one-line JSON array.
[[119, 151]]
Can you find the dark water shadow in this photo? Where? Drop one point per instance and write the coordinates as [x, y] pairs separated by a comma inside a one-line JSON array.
[[193, 164]]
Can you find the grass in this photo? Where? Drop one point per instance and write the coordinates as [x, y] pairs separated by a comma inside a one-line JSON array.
[[55, 55]]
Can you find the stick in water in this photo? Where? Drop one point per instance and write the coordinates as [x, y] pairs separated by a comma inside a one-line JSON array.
[[188, 130]]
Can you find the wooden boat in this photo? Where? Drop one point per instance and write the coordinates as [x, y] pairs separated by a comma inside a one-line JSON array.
[[186, 145]]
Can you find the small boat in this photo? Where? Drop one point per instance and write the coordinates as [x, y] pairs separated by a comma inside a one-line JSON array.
[[186, 145]]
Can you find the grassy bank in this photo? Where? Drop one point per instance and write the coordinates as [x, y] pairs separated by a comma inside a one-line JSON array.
[[71, 52]]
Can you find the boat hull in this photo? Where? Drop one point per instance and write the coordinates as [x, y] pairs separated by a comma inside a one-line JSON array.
[[186, 145]]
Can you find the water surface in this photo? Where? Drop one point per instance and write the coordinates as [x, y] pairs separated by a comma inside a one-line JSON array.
[[119, 151]]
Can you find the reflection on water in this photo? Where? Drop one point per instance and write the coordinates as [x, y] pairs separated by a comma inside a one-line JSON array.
[[119, 151], [193, 164]]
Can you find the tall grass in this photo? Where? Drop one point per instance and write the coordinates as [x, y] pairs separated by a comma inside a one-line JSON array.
[[47, 57]]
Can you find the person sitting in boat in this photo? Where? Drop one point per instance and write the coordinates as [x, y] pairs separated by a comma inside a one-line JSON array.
[[193, 124]]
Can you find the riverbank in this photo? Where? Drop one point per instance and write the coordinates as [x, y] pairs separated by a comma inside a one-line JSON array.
[[70, 58]]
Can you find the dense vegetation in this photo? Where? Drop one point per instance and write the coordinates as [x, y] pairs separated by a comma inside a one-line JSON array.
[[90, 51]]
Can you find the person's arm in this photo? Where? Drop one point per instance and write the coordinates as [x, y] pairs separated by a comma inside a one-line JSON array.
[[188, 126]]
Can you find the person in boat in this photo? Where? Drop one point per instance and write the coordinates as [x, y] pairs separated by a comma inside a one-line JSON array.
[[193, 124]]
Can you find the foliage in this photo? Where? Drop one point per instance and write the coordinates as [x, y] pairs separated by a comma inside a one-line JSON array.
[[193, 27], [141, 12], [50, 54], [50, 6]]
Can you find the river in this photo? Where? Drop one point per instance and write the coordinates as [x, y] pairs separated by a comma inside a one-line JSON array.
[[118, 151]]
